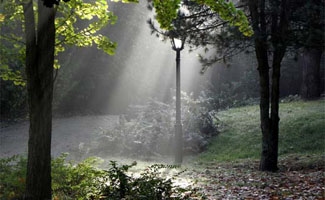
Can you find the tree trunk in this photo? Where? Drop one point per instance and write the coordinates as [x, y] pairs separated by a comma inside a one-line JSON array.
[[279, 26], [39, 70], [265, 119], [269, 160], [311, 73], [259, 25]]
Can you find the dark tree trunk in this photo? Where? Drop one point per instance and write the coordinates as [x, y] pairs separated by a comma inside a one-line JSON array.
[[259, 26], [269, 123], [39, 70], [269, 160], [311, 87]]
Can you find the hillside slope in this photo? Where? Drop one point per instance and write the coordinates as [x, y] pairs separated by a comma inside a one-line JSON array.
[[302, 131]]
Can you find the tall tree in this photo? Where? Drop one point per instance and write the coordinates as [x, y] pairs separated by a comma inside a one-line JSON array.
[[44, 38], [39, 70], [278, 25], [278, 33]]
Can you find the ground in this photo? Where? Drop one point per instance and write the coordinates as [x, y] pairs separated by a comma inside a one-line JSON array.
[[69, 135], [242, 180], [229, 168]]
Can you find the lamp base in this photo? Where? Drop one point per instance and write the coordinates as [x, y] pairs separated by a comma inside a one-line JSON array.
[[178, 144]]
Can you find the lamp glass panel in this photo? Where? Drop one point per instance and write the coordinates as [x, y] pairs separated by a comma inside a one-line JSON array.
[[178, 43]]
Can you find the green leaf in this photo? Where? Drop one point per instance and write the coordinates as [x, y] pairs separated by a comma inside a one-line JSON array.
[[166, 12]]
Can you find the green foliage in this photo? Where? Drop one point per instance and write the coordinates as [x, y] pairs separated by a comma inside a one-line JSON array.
[[76, 181], [97, 15], [12, 49], [167, 12], [13, 96], [149, 185], [127, 1], [13, 101], [226, 94], [12, 177], [69, 181], [9, 74], [12, 55], [301, 127], [228, 12], [148, 130], [93, 15], [77, 23], [85, 181], [117, 180], [12, 45]]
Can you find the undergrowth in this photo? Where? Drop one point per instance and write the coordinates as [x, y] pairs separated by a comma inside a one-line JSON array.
[[81, 181]]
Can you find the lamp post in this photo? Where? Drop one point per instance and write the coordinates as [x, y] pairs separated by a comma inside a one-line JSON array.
[[178, 45]]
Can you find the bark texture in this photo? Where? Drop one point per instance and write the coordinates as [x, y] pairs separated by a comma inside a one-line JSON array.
[[269, 88], [39, 71]]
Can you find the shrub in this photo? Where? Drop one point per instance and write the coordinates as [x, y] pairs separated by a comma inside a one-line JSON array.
[[148, 130], [76, 181], [13, 101], [84, 181], [12, 177], [149, 185], [228, 93]]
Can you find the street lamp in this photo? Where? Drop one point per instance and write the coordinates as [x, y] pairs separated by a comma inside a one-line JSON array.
[[178, 45]]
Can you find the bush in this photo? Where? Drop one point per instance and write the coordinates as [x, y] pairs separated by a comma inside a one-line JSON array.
[[12, 177], [150, 185], [76, 181], [13, 101], [148, 130], [230, 94], [85, 181]]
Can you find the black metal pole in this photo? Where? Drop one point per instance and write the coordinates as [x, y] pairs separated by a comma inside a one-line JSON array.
[[178, 125]]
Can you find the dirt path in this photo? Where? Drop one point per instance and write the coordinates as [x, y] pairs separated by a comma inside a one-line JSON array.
[[67, 136]]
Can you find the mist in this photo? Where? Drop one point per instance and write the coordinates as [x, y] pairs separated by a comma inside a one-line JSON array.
[[102, 126], [143, 67]]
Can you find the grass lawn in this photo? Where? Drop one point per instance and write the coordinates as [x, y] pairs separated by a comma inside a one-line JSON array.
[[229, 168], [302, 131]]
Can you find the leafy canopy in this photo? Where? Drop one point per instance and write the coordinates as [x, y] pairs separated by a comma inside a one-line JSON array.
[[166, 12], [69, 32]]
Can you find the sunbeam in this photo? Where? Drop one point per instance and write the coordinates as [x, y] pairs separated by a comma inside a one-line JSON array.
[[105, 99]]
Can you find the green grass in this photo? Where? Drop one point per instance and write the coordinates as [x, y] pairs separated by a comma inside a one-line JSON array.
[[302, 131]]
